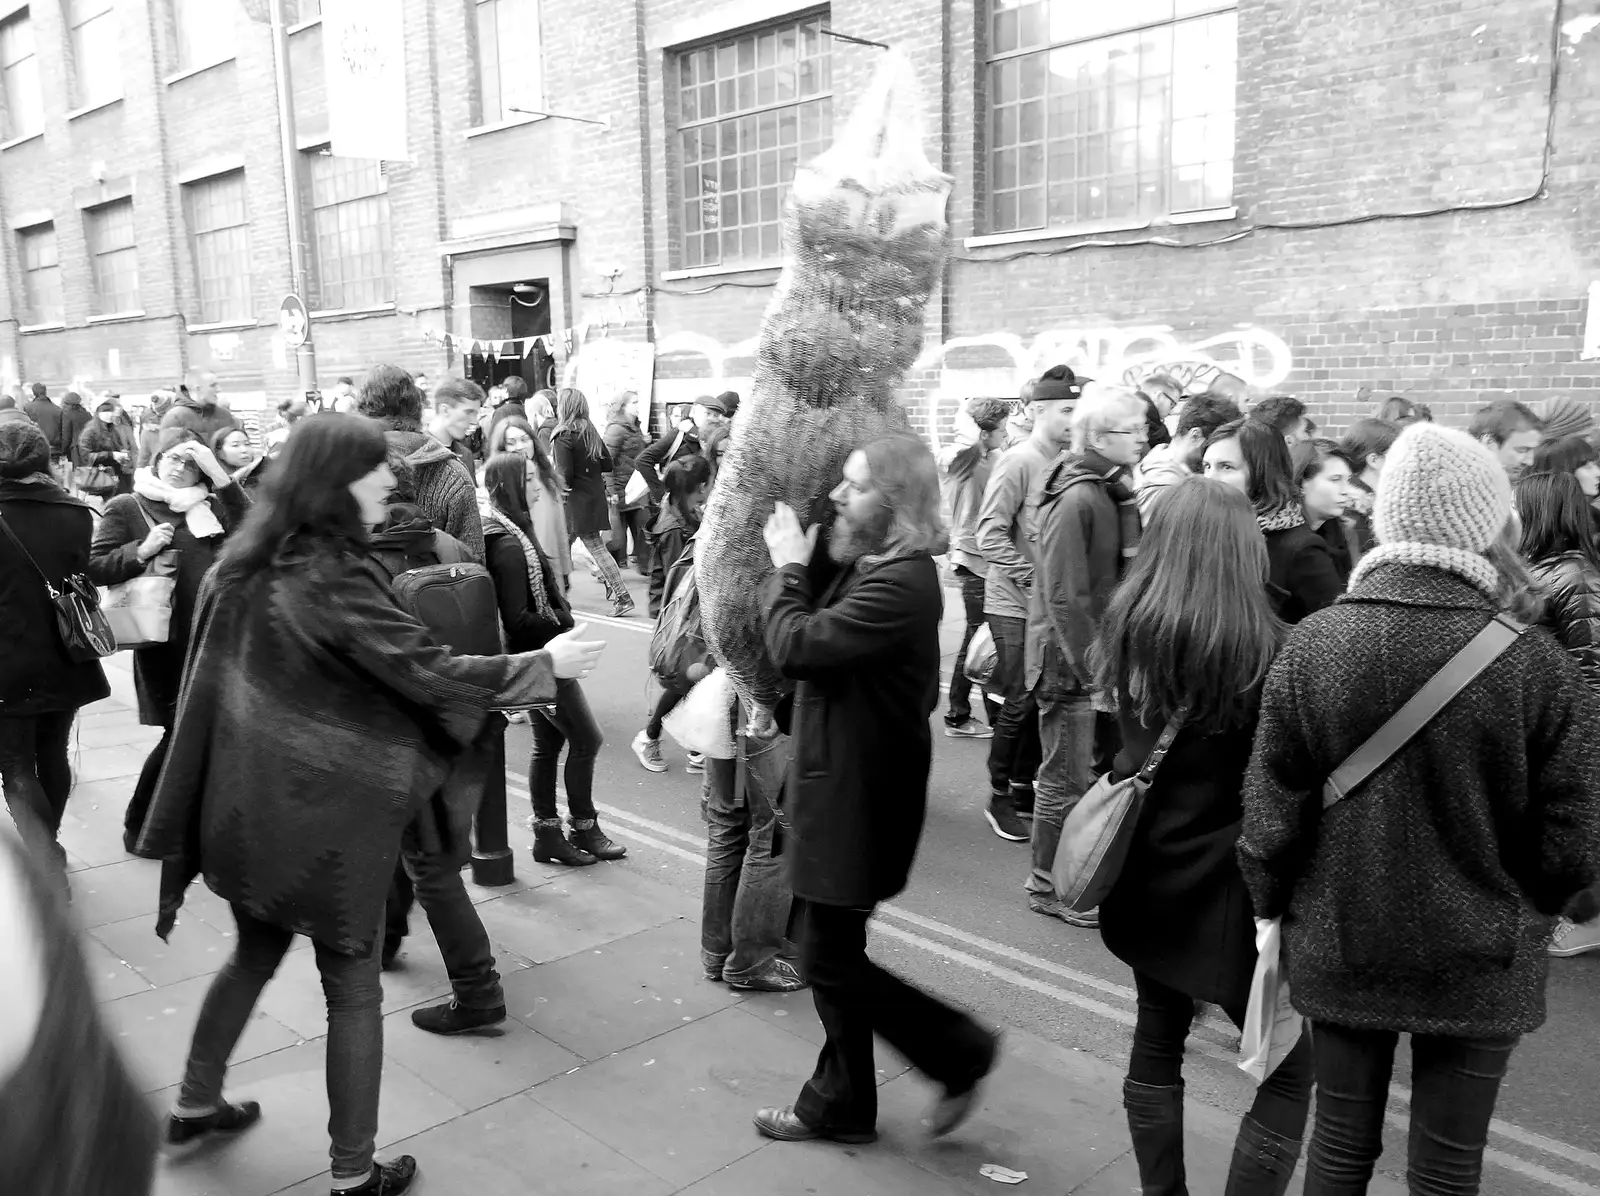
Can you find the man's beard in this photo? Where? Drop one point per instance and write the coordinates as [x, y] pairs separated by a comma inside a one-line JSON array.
[[849, 541]]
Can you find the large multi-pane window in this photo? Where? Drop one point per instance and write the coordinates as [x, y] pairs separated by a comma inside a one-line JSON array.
[[96, 52], [113, 253], [41, 274], [19, 78], [1101, 112], [219, 233], [296, 11], [749, 109], [510, 59], [350, 226], [203, 32]]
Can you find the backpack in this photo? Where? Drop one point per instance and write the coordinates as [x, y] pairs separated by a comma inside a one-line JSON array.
[[455, 600], [678, 654]]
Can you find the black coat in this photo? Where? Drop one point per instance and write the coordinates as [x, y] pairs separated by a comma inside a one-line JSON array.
[[624, 441], [99, 444], [1301, 573], [158, 669], [1347, 544], [1180, 912], [35, 675], [526, 630], [585, 475], [669, 535], [866, 662], [1422, 902], [1571, 584], [74, 419], [46, 416]]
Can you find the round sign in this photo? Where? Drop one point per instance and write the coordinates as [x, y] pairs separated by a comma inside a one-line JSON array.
[[293, 321]]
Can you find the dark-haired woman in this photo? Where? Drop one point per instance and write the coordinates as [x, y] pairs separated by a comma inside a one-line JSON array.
[[583, 463], [625, 440], [304, 670], [1191, 629], [1366, 445], [238, 456], [1577, 456], [181, 509], [1324, 475], [1251, 456], [514, 434]]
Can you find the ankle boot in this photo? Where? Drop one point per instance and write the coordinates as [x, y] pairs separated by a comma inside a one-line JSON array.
[[587, 836], [550, 846], [1263, 1162], [1155, 1122]]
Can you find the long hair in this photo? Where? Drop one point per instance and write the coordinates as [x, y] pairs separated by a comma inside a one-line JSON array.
[[1517, 592], [505, 477], [1266, 457], [548, 473], [1366, 439], [305, 501], [1309, 456], [1555, 517], [682, 478], [572, 415], [1191, 624], [904, 472], [1564, 454]]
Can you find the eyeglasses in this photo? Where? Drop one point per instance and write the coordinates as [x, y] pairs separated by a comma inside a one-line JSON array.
[[1142, 433]]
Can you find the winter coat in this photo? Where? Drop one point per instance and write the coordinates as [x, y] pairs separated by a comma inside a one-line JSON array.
[[114, 558], [1346, 545], [1005, 523], [1301, 575], [36, 677], [1180, 912], [46, 416], [205, 421], [669, 535], [865, 660], [963, 476], [653, 461], [446, 492], [624, 441], [550, 530], [149, 445], [585, 475], [1571, 584], [74, 419], [526, 631], [99, 444], [1421, 902], [1161, 470], [318, 719]]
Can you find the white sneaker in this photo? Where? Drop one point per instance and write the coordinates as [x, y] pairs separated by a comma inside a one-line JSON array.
[[649, 752], [696, 765], [1575, 938]]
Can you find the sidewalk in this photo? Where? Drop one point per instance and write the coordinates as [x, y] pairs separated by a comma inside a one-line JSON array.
[[620, 1071]]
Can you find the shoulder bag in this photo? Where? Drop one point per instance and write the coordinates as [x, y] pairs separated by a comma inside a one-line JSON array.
[[638, 487], [1098, 832], [140, 609], [98, 480], [85, 633]]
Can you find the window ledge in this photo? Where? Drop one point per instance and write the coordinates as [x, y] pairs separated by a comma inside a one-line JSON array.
[[21, 139], [345, 313], [515, 122], [95, 107], [55, 326], [1091, 228], [116, 316], [223, 326], [715, 271], [190, 71], [307, 24]]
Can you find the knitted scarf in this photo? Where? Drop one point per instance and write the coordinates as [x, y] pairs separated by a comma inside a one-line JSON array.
[[1115, 480], [1474, 568], [535, 559], [1280, 519], [1361, 498], [192, 502]]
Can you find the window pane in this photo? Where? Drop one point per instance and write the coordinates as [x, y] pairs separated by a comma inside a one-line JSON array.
[[41, 275], [96, 54], [220, 235], [205, 31], [510, 58], [19, 78], [350, 219], [115, 259]]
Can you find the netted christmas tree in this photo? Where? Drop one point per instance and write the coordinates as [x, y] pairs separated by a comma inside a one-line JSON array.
[[864, 243]]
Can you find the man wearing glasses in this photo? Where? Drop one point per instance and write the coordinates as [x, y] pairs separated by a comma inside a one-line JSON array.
[[1086, 531]]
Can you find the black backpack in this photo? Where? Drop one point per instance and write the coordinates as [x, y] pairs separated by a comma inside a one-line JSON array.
[[455, 600]]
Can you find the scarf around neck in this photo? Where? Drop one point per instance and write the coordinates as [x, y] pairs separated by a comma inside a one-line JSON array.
[[1469, 566], [535, 560], [192, 502], [1280, 519], [1115, 480]]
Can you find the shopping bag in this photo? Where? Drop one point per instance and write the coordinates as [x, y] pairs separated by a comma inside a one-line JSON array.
[[981, 656], [1271, 1025], [700, 722]]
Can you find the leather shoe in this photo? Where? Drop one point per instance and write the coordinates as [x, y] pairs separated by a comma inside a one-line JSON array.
[[957, 1103], [785, 1125]]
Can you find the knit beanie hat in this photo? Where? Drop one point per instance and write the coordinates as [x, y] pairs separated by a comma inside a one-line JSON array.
[[1567, 416], [23, 450], [1442, 500]]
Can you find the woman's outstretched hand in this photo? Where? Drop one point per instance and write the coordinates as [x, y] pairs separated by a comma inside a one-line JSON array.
[[572, 656]]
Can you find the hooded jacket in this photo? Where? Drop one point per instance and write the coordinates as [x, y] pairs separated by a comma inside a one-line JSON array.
[[1162, 468], [74, 419], [446, 493], [669, 535], [205, 421]]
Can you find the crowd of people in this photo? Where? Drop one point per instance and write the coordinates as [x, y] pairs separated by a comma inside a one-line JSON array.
[[1191, 579]]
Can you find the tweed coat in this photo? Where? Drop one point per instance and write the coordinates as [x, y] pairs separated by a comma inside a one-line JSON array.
[[1422, 902], [317, 718]]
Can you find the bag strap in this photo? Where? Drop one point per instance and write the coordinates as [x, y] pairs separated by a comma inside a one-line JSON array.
[[1406, 723], [28, 556], [1163, 746]]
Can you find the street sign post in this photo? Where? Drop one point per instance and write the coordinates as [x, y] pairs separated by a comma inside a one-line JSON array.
[[294, 321]]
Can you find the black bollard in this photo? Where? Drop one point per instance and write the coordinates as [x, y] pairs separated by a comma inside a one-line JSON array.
[[492, 863]]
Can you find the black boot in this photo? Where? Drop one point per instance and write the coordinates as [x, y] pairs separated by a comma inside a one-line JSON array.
[[550, 846], [1263, 1162], [587, 836], [1155, 1122]]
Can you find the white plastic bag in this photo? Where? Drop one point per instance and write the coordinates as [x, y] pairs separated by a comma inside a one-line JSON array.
[[981, 656], [700, 722], [1271, 1025]]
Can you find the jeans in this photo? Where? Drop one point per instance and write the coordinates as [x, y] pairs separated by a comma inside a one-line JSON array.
[[144, 790], [972, 592], [468, 957], [745, 908], [1067, 736], [355, 1035], [855, 998], [37, 777], [623, 525], [606, 569], [1014, 751], [1454, 1083], [570, 723]]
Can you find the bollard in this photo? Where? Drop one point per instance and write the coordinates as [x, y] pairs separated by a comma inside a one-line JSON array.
[[492, 863]]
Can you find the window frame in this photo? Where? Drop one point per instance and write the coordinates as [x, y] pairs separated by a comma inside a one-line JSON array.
[[227, 46], [28, 64], [82, 98], [314, 236], [1168, 211], [36, 315], [496, 111], [94, 230], [215, 308], [688, 213]]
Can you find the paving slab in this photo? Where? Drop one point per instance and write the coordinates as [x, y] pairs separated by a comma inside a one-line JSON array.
[[478, 1069], [578, 911], [194, 948], [810, 1168], [108, 763], [110, 975], [797, 1013], [116, 893]]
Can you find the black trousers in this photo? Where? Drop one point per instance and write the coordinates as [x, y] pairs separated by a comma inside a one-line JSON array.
[[854, 999]]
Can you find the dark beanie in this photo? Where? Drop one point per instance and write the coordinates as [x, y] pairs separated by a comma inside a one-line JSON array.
[[1057, 382], [23, 450], [730, 402]]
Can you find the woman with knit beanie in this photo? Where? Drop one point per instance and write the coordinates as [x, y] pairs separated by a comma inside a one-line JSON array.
[[1423, 902], [1251, 456]]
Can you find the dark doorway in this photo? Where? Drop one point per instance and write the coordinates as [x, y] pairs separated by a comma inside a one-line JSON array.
[[512, 312]]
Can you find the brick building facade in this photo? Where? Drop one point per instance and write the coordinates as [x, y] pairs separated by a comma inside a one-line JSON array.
[[1322, 197]]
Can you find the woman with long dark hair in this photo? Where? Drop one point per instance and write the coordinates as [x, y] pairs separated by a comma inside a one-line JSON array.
[[239, 457], [1325, 476], [1252, 457], [1190, 634], [625, 440], [304, 669], [581, 459], [514, 434], [1573, 455]]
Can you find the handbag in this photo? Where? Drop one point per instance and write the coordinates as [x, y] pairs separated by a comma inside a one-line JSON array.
[[140, 609], [98, 480], [638, 487], [85, 633], [1098, 832]]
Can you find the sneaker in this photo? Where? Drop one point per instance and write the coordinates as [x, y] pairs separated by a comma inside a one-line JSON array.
[[622, 608], [1051, 908], [971, 729], [1575, 938], [1003, 820], [230, 1119], [453, 1018], [779, 976], [696, 765], [649, 752], [387, 1179], [1022, 800], [517, 716]]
